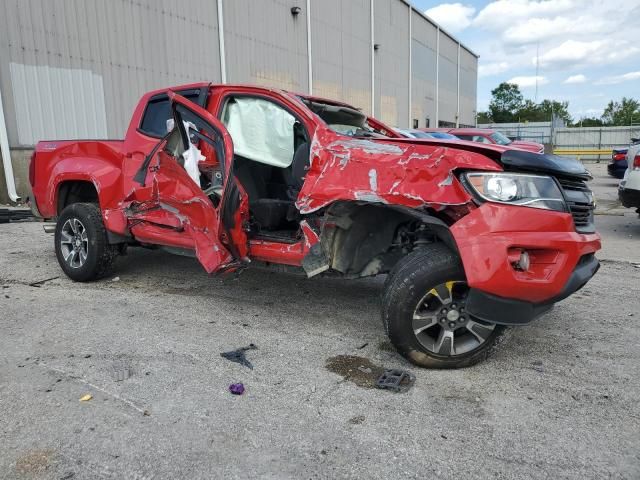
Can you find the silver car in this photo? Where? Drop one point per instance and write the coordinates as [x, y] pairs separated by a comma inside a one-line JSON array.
[[629, 188]]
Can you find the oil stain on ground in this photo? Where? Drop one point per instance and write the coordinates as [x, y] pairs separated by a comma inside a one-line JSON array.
[[358, 370], [34, 462]]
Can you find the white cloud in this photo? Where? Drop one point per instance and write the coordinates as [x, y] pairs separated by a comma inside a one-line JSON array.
[[615, 79], [595, 52], [502, 14], [528, 81], [489, 69], [565, 33], [570, 52], [453, 17], [580, 78]]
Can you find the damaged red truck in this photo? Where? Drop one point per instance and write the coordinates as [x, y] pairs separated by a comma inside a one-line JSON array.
[[474, 238]]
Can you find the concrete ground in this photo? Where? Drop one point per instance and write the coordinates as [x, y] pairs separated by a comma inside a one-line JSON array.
[[559, 399]]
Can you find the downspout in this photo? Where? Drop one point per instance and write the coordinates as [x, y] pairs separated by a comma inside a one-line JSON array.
[[223, 60], [6, 158], [373, 64], [410, 60], [310, 59], [437, 77], [458, 92]]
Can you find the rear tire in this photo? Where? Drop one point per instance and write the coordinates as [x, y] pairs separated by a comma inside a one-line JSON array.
[[422, 289], [81, 243]]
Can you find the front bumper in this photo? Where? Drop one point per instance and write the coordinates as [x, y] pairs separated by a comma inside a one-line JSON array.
[[562, 260], [507, 311], [629, 197], [616, 169]]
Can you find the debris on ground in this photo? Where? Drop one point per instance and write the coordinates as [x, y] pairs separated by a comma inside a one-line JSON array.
[[115, 279], [396, 380], [121, 371], [357, 420], [39, 283], [13, 215], [86, 398], [537, 366], [236, 388], [363, 345], [238, 355]]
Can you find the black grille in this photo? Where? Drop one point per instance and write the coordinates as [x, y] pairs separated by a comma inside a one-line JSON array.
[[574, 185], [580, 201]]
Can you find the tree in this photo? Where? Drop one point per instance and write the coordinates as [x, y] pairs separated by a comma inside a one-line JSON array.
[[484, 117], [544, 111], [625, 112], [506, 102], [553, 108], [531, 112], [589, 122]]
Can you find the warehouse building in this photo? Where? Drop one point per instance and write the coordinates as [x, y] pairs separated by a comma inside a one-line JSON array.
[[76, 68]]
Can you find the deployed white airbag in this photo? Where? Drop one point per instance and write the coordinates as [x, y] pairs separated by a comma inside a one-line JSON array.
[[192, 156], [261, 131]]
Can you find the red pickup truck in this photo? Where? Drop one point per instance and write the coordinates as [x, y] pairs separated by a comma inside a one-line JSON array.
[[474, 238]]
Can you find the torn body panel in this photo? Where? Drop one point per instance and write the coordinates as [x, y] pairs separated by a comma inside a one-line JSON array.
[[385, 172], [177, 214]]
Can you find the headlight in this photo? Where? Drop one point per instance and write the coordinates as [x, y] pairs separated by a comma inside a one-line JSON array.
[[537, 191]]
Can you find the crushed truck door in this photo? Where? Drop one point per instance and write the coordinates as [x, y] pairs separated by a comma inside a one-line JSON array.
[[170, 208]]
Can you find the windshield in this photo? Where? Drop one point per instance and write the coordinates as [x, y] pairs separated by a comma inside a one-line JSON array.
[[444, 136], [345, 120], [420, 134], [500, 138]]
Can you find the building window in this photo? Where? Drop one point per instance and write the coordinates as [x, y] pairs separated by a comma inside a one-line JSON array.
[[443, 124]]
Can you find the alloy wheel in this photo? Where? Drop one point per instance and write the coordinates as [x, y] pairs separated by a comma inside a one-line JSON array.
[[443, 326], [74, 243]]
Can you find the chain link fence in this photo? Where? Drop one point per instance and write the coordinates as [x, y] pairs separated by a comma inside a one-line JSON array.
[[585, 143]]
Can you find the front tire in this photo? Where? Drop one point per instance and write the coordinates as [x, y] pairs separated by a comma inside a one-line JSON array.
[[423, 311], [81, 243]]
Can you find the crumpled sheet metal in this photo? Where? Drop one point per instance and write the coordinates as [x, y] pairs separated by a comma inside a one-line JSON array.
[[387, 172]]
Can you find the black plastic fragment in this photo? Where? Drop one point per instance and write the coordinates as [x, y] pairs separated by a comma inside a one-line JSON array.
[[238, 355], [396, 380]]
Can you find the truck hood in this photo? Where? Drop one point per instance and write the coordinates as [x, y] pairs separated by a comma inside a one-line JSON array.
[[524, 145], [405, 172], [517, 159], [410, 172], [556, 165]]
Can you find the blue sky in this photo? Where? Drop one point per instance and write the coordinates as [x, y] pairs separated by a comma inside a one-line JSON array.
[[589, 50]]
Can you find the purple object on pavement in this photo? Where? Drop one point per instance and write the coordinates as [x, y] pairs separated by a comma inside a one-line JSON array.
[[236, 388]]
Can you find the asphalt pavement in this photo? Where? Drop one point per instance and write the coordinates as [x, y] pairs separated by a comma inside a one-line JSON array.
[[559, 399]]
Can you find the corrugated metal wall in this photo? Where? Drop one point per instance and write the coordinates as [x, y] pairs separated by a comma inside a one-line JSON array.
[[447, 79], [76, 68], [265, 44], [341, 51], [423, 70], [129, 47], [392, 62], [468, 87]]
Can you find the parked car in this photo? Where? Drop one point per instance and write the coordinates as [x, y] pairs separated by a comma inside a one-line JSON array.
[[474, 238], [487, 135], [417, 133], [618, 163], [629, 188]]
